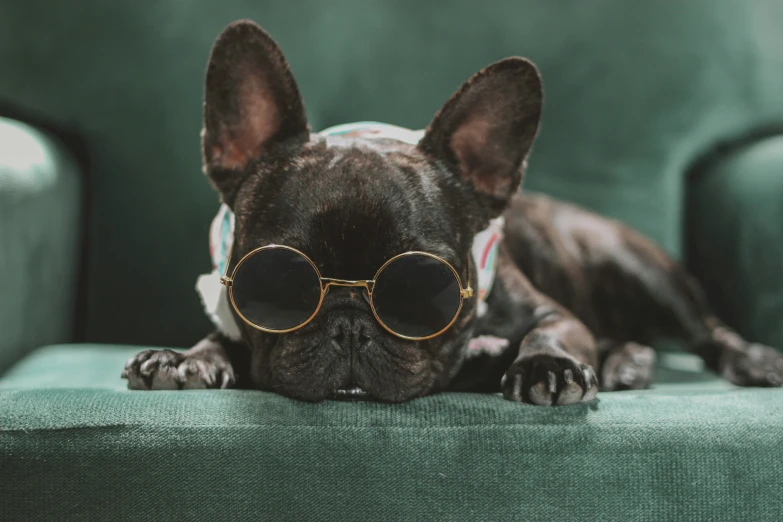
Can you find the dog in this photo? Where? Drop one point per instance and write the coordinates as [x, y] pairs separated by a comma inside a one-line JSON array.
[[575, 298]]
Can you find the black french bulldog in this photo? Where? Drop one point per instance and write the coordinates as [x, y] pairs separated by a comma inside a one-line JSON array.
[[577, 297]]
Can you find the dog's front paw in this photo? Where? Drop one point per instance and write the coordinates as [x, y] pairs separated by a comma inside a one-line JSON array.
[[754, 365], [548, 380], [170, 370]]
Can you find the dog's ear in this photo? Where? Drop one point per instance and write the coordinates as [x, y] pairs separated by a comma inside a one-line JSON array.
[[486, 129], [251, 104]]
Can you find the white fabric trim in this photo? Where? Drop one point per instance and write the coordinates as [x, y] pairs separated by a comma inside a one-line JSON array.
[[214, 297]]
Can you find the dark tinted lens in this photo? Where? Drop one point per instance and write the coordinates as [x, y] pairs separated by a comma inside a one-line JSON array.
[[276, 289], [416, 295]]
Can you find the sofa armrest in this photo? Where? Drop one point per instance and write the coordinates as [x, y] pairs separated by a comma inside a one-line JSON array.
[[734, 236], [40, 201]]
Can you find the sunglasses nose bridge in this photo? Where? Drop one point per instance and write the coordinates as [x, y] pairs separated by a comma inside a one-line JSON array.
[[328, 281]]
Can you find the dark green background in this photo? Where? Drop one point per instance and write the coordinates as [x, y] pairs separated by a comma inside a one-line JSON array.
[[635, 93]]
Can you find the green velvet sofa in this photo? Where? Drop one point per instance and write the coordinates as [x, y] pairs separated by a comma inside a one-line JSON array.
[[667, 115]]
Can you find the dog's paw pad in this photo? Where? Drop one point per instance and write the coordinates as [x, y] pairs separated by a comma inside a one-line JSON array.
[[540, 394], [547, 380]]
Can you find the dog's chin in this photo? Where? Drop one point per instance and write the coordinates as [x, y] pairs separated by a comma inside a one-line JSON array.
[[393, 395], [358, 393], [353, 393]]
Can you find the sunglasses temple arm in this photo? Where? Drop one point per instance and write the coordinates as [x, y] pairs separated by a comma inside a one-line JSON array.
[[469, 287], [224, 279]]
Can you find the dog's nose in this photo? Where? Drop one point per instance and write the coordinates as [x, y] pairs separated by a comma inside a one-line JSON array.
[[348, 328]]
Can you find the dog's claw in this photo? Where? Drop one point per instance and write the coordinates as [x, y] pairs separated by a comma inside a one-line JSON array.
[[552, 382], [206, 374], [148, 366], [517, 391], [225, 380], [591, 384]]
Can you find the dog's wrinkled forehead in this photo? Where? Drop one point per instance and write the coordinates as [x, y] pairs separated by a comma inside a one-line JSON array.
[[349, 204]]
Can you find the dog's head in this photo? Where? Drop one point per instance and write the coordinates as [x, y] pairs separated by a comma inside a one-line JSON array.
[[351, 204]]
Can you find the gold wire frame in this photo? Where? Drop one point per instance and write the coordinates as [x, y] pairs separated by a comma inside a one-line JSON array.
[[326, 282]]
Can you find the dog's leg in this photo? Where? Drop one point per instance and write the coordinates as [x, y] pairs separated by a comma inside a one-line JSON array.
[[556, 359], [625, 366], [214, 362], [670, 303]]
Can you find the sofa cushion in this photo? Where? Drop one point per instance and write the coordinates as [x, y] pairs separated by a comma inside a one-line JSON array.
[[75, 444]]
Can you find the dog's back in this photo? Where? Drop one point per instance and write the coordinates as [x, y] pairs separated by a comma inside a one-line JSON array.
[[620, 284]]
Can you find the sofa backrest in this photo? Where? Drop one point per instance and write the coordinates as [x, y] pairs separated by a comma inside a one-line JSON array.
[[634, 93]]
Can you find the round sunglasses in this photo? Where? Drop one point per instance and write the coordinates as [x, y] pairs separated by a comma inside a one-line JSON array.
[[278, 289]]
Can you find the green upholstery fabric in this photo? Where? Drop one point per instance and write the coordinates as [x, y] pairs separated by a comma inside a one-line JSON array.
[[39, 240], [75, 445], [735, 237], [634, 93]]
